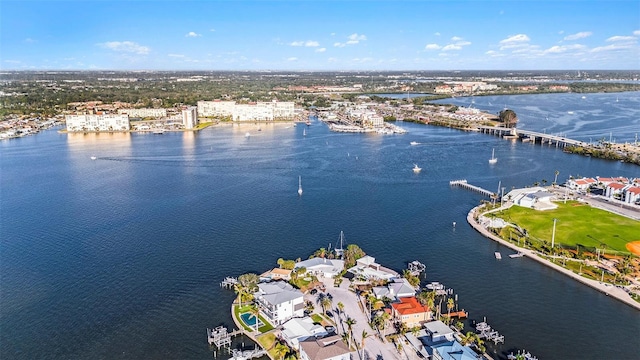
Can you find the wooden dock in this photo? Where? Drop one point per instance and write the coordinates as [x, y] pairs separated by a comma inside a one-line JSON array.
[[465, 185], [458, 314], [221, 337], [229, 282]]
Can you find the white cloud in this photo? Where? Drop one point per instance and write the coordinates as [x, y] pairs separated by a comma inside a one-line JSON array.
[[212, 30], [514, 41], [613, 47], [292, 59], [437, 34], [192, 34], [352, 39], [176, 55], [308, 43], [560, 32], [320, 50], [580, 35], [29, 40], [636, 33], [356, 38], [621, 38], [456, 38], [451, 47], [562, 49], [126, 47], [432, 47], [12, 61]]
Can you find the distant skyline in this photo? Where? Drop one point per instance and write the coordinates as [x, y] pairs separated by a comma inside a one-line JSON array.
[[320, 35]]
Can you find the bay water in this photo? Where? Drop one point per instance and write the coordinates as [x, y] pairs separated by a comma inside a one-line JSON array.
[[121, 257]]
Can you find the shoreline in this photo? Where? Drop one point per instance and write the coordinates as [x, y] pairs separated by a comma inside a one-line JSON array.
[[607, 289]]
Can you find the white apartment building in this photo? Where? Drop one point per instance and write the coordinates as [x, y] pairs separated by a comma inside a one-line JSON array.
[[97, 122], [216, 108], [279, 301], [190, 117], [259, 111], [142, 113]]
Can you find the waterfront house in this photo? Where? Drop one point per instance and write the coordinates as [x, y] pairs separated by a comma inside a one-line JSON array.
[[398, 288], [277, 274], [581, 184], [279, 301], [321, 266], [540, 200], [632, 195], [327, 348], [614, 190], [366, 268], [436, 341], [410, 312], [299, 329]]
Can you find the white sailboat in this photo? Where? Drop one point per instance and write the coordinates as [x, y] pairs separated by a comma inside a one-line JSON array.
[[247, 135], [299, 185], [416, 168], [93, 157], [304, 132], [493, 159]]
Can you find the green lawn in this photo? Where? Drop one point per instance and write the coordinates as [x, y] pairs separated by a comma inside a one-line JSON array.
[[577, 224], [239, 310]]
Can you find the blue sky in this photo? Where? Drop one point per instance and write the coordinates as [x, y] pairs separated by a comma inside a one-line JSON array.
[[320, 35]]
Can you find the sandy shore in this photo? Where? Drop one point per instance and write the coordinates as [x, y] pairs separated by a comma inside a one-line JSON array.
[[606, 289]]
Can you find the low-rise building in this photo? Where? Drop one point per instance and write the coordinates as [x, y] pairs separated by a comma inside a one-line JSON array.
[[321, 266], [398, 288], [300, 329], [327, 348], [366, 268], [437, 342], [279, 301], [97, 122], [410, 312]]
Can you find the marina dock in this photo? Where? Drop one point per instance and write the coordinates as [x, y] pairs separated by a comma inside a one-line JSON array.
[[465, 185]]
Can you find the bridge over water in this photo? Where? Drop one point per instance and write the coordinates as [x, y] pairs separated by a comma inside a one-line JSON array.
[[530, 136]]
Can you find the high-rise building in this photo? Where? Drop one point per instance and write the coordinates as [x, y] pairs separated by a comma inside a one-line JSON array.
[[190, 117]]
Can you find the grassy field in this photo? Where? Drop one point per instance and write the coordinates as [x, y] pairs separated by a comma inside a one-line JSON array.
[[577, 224]]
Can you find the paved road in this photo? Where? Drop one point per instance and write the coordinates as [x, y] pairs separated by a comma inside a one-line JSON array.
[[374, 347]]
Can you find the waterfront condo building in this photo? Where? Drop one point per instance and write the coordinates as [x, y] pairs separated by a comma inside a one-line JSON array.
[[143, 113], [97, 122], [190, 117], [257, 111]]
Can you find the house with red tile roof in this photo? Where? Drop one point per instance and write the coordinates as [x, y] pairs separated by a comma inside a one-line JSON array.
[[614, 189], [410, 311], [581, 184], [632, 195]]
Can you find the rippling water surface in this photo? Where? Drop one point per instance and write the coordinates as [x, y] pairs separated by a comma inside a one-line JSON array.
[[122, 256]]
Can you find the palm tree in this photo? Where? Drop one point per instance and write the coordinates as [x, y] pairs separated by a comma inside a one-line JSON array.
[[450, 305], [281, 350], [555, 180], [350, 322], [254, 310], [365, 335], [325, 301]]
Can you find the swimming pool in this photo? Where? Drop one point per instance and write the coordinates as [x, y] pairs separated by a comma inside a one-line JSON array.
[[250, 320]]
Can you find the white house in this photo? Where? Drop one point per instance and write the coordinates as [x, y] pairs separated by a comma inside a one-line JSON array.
[[614, 189], [322, 266], [632, 194], [540, 200], [367, 268], [439, 331], [581, 184], [327, 348], [279, 301], [398, 288], [299, 329]]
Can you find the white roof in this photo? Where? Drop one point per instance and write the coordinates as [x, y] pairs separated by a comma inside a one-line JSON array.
[[278, 292], [301, 328]]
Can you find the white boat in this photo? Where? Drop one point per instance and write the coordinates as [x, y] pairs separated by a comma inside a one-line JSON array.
[[299, 185], [570, 112], [304, 132], [515, 256], [416, 168], [498, 255], [93, 158], [584, 97], [493, 159], [158, 131], [414, 143], [247, 135]]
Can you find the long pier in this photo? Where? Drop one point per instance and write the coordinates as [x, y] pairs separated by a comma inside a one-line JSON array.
[[465, 185], [530, 136]]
